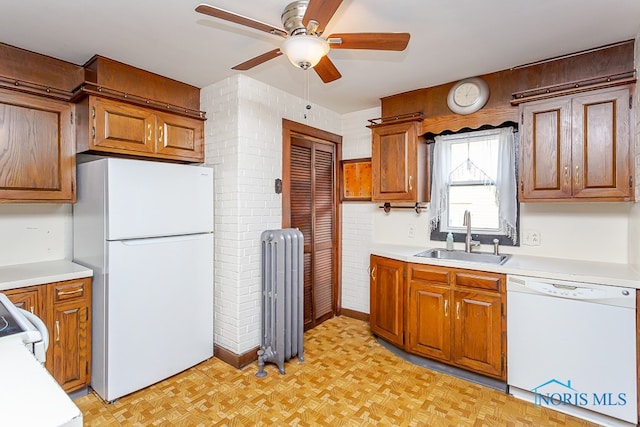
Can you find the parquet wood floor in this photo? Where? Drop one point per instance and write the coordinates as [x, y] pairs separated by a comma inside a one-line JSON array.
[[347, 379]]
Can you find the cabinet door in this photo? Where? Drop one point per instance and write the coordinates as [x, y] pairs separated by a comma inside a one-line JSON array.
[[394, 167], [71, 333], [180, 137], [477, 334], [428, 324], [26, 298], [70, 351], [601, 144], [387, 299], [545, 160], [121, 128], [37, 149]]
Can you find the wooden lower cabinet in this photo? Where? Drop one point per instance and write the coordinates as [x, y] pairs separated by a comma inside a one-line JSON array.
[[428, 321], [65, 308], [387, 299], [477, 333], [452, 315]]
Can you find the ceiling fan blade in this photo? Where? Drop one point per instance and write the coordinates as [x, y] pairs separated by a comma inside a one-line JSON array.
[[247, 65], [326, 70], [320, 11], [239, 19], [372, 41]]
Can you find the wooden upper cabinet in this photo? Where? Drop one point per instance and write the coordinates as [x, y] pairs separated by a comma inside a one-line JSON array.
[[577, 148], [121, 127], [399, 163], [601, 145], [37, 153], [110, 126], [179, 136]]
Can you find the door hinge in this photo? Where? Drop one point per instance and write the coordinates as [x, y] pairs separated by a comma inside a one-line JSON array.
[[630, 101], [71, 118], [502, 363], [630, 182], [522, 118], [502, 309], [73, 186]]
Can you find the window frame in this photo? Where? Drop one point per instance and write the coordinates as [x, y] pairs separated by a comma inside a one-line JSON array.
[[484, 238]]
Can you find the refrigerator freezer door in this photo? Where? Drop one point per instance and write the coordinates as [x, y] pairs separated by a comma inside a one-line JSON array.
[[151, 199], [159, 318]]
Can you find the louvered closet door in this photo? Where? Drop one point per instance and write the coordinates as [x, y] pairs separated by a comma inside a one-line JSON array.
[[313, 212]]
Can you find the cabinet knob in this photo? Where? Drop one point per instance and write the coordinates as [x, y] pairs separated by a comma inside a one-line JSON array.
[[577, 176], [160, 129], [446, 308], [458, 310], [149, 129], [57, 330], [566, 176]]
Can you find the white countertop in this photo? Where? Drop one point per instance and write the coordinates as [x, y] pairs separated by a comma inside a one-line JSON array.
[[38, 273], [553, 268], [29, 396]]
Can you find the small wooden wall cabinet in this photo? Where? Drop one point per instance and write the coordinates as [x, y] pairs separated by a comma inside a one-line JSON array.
[[455, 316], [65, 308], [399, 163], [109, 126], [127, 111]]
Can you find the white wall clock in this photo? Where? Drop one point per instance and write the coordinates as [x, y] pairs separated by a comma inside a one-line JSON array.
[[468, 96]]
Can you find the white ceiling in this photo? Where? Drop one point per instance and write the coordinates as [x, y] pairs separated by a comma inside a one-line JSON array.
[[450, 39]]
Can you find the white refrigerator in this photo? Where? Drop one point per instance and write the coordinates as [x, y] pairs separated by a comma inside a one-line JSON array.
[[146, 230]]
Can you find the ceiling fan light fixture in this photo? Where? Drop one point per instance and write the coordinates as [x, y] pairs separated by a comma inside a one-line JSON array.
[[304, 51]]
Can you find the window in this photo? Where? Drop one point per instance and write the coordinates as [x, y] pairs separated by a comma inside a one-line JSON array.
[[475, 172]]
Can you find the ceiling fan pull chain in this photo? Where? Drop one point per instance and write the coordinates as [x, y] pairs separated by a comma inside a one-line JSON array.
[[306, 92]]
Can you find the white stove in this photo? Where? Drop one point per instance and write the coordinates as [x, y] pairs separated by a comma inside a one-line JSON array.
[[26, 384]]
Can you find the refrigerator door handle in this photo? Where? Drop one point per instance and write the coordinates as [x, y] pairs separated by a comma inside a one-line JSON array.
[[164, 239]]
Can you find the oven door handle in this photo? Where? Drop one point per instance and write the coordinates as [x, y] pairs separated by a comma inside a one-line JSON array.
[[39, 324]]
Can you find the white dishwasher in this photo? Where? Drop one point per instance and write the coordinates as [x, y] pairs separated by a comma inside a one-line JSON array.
[[572, 348]]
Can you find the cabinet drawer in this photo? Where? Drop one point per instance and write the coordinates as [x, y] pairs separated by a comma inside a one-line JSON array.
[[484, 281], [69, 290], [430, 275]]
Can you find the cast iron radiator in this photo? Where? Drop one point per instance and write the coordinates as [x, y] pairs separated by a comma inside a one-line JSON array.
[[282, 298]]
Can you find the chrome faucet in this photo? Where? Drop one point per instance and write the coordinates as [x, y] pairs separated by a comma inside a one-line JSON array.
[[468, 241]]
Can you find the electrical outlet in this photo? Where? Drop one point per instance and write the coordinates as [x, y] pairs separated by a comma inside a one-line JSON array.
[[531, 238], [412, 232]]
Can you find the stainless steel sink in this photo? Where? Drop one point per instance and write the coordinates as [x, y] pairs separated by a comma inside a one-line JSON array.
[[482, 257]]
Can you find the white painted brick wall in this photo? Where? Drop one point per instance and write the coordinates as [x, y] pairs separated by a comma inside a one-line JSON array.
[[357, 217], [243, 143]]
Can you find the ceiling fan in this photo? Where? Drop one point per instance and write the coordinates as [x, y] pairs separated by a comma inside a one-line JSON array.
[[304, 22]]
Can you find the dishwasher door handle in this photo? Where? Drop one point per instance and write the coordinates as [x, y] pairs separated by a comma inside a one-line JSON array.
[[571, 288]]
